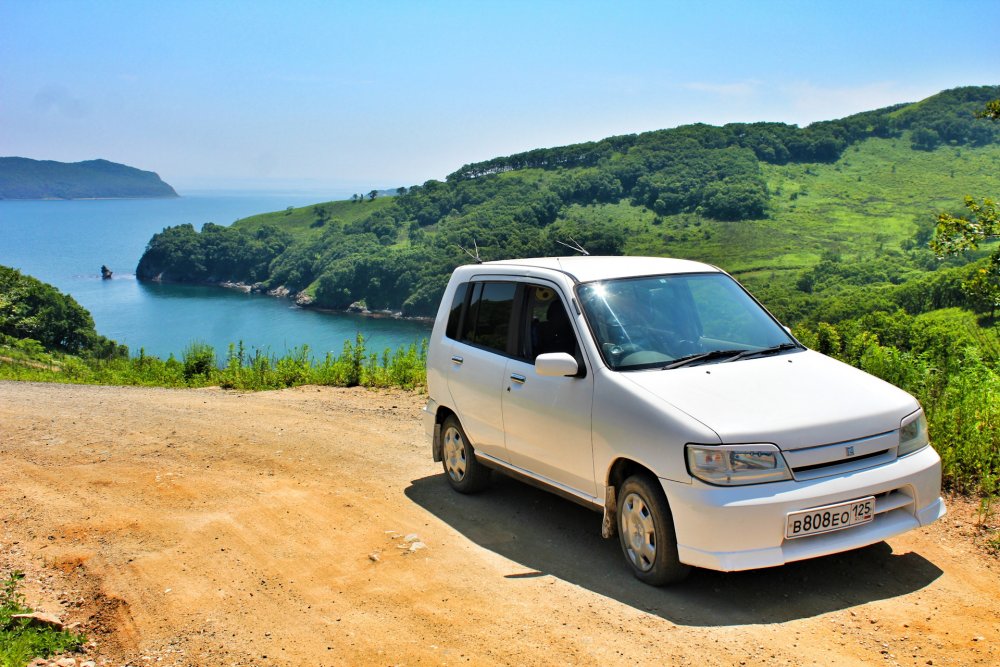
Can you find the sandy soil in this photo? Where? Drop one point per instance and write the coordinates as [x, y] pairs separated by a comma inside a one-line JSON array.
[[206, 527]]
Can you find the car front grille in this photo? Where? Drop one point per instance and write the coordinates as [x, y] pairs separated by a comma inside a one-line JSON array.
[[842, 457]]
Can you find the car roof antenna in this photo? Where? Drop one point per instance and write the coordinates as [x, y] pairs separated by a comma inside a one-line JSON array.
[[576, 246], [479, 260]]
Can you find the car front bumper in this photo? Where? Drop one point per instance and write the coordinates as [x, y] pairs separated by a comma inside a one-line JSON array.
[[743, 527]]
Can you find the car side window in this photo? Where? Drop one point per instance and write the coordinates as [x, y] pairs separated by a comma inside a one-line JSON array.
[[547, 324], [455, 314], [488, 316]]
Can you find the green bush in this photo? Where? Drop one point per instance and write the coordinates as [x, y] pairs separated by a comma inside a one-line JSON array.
[[21, 641], [199, 359], [945, 370]]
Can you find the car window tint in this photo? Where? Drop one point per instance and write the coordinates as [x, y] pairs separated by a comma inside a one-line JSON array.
[[455, 315], [493, 304], [468, 326]]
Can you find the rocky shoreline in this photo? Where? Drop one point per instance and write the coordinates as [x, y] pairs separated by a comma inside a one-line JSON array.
[[303, 300]]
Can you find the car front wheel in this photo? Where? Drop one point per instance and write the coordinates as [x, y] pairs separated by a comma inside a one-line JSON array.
[[646, 532]]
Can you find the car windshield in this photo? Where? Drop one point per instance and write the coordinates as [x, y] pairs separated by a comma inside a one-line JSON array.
[[678, 320]]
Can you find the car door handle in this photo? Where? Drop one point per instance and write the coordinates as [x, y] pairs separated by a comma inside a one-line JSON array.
[[457, 359], [518, 378]]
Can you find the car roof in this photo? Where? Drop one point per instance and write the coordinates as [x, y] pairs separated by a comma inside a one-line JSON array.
[[589, 268]]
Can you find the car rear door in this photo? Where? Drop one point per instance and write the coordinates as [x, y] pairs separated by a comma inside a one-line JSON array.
[[478, 360]]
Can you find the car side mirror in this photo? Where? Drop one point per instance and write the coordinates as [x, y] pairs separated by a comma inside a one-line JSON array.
[[556, 364]]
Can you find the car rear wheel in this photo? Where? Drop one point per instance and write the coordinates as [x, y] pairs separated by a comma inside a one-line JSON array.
[[646, 532], [464, 472]]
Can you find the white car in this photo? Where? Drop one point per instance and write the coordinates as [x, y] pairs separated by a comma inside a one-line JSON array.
[[659, 392]]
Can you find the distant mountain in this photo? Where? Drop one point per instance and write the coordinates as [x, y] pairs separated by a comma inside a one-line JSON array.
[[23, 178]]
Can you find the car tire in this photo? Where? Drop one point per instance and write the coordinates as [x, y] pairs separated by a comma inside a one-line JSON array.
[[458, 457], [646, 532]]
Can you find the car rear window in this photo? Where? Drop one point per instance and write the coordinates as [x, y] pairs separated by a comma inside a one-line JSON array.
[[455, 315]]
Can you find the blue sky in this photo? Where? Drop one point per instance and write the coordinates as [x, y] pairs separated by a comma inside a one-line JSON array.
[[355, 95]]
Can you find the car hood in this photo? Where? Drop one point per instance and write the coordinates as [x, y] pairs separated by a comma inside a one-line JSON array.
[[793, 400]]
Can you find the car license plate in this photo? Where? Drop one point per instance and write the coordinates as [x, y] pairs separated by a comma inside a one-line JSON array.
[[830, 518]]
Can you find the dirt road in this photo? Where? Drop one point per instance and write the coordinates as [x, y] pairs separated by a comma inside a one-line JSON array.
[[310, 527]]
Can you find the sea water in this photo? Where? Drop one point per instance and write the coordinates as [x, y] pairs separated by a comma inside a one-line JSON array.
[[65, 243]]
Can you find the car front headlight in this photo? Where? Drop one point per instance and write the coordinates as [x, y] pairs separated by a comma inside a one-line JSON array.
[[912, 434], [732, 465]]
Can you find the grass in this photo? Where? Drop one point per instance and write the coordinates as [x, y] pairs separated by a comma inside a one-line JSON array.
[[21, 641], [242, 369], [876, 197], [302, 222]]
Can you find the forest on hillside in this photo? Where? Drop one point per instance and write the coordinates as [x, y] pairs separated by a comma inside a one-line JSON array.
[[675, 184]]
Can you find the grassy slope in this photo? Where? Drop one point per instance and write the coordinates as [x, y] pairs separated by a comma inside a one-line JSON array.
[[299, 221], [878, 195]]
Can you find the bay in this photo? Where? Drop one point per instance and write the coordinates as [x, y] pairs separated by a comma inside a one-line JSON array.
[[64, 243]]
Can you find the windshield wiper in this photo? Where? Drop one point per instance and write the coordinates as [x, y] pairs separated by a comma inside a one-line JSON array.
[[764, 352], [704, 356]]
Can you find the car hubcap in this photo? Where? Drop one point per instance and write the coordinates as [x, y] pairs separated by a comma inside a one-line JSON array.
[[638, 531], [454, 454]]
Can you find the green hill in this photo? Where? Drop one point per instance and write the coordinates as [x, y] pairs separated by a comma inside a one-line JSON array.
[[31, 309], [766, 201], [22, 178]]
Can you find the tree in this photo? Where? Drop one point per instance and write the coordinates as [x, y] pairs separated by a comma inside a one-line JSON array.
[[956, 234], [925, 139], [400, 191], [983, 288], [991, 111], [372, 195]]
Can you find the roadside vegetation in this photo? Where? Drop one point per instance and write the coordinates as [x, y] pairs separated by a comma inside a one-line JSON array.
[[239, 368], [20, 638], [46, 336]]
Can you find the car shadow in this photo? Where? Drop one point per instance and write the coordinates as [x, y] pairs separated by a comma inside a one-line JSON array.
[[552, 536]]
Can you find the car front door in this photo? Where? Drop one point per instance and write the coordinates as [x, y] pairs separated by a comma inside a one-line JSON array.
[[547, 420]]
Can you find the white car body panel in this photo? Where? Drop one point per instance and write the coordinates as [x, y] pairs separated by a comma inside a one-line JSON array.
[[793, 400], [740, 528], [474, 385], [547, 422]]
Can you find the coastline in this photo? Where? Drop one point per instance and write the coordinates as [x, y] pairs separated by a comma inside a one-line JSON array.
[[305, 301], [173, 196]]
